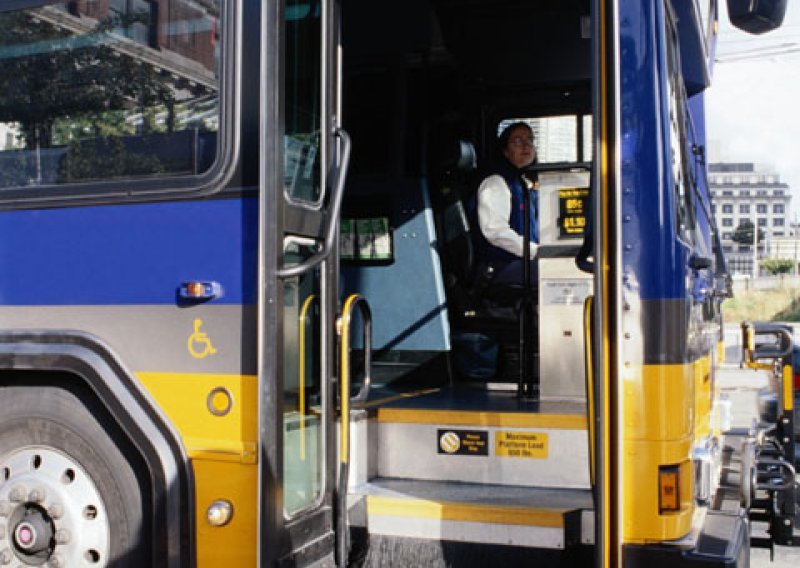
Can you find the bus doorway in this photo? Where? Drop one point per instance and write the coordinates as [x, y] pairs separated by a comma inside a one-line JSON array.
[[449, 448]]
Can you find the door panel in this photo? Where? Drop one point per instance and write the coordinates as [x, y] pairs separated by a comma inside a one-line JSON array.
[[303, 412], [298, 218]]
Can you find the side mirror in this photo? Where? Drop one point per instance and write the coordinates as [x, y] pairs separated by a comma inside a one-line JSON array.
[[697, 262], [757, 16]]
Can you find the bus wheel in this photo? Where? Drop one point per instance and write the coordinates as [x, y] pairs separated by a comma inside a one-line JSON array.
[[68, 496]]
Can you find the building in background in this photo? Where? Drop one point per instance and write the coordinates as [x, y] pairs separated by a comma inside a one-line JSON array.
[[8, 136], [746, 192]]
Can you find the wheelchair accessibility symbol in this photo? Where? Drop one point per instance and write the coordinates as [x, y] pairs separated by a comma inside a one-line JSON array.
[[199, 343]]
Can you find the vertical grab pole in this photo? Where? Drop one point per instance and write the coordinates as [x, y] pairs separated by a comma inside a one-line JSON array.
[[301, 366], [526, 387], [588, 320], [352, 301]]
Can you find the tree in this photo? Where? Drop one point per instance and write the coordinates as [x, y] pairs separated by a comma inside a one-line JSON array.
[[60, 88], [744, 233], [775, 266]]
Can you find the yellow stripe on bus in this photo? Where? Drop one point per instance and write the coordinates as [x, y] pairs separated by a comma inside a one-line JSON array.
[[464, 512], [477, 418]]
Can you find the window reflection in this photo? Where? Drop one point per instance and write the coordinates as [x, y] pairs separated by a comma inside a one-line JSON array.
[[94, 90]]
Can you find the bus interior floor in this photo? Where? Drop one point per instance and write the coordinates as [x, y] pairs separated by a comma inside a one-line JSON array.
[[465, 397]]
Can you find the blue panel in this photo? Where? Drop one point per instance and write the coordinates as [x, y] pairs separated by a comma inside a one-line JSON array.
[[406, 297], [654, 259], [128, 254]]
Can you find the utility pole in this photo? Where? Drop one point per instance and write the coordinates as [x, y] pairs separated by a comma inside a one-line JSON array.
[[755, 250]]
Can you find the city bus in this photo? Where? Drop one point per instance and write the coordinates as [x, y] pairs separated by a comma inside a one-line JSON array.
[[239, 320]]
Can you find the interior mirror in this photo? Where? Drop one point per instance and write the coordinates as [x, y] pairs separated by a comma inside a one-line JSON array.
[[757, 16]]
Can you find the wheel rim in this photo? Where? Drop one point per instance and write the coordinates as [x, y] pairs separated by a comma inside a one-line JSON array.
[[51, 513]]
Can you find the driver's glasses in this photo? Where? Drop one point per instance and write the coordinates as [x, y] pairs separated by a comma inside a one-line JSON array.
[[519, 142]]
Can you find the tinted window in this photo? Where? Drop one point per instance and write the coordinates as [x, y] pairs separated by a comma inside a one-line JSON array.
[[303, 82], [118, 89], [558, 138]]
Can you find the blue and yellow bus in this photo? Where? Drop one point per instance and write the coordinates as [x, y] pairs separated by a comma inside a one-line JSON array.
[[239, 324]]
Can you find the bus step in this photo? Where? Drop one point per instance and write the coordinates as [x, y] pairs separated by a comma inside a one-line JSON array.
[[544, 448], [762, 504], [763, 542], [468, 512]]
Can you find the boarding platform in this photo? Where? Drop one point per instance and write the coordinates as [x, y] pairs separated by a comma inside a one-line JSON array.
[[458, 463]]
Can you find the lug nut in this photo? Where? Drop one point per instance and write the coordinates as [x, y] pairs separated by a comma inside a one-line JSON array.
[[36, 495], [5, 508], [62, 536], [55, 511], [17, 494]]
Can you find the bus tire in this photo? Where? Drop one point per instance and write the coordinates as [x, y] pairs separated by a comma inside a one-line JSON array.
[[68, 495]]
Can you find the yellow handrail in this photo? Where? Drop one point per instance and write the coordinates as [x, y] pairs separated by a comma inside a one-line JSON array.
[[344, 378], [589, 369], [301, 371]]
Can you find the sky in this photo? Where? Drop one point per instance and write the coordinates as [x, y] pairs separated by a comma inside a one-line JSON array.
[[753, 105]]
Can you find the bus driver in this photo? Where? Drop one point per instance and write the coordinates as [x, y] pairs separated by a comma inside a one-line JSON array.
[[501, 212]]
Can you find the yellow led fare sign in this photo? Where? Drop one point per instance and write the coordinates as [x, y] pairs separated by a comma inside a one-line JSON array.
[[573, 209], [521, 444]]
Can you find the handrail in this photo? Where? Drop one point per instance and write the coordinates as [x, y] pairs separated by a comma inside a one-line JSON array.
[[588, 306], [766, 480], [357, 301], [330, 235], [301, 371], [343, 327], [752, 352]]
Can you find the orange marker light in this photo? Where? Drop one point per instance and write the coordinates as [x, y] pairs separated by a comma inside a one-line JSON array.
[[200, 290], [196, 289], [669, 494]]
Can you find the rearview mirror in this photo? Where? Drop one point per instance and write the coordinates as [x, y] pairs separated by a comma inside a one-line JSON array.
[[757, 16]]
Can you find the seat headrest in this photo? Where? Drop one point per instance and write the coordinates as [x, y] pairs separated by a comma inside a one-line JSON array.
[[459, 155]]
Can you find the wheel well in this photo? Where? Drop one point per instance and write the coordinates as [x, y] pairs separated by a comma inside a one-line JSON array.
[[81, 390]]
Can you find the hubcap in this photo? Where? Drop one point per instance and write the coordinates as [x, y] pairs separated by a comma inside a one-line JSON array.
[[33, 533]]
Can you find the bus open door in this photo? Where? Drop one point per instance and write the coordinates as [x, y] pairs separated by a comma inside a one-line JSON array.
[[302, 173]]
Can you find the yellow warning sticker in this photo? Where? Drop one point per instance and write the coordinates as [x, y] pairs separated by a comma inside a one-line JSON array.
[[520, 444], [463, 442]]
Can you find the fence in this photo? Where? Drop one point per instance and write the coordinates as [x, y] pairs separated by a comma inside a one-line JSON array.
[[745, 282]]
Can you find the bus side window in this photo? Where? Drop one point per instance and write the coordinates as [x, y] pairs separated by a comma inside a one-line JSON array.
[[107, 91], [681, 178]]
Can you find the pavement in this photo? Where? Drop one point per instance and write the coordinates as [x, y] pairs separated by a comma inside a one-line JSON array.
[[741, 386]]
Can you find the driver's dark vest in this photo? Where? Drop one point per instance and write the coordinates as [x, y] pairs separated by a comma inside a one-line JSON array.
[[487, 252]]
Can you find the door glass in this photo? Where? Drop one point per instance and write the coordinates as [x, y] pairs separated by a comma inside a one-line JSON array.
[[302, 141], [302, 395]]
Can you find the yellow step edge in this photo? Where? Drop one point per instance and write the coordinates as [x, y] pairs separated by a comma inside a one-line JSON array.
[[477, 418], [395, 397], [464, 512]]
